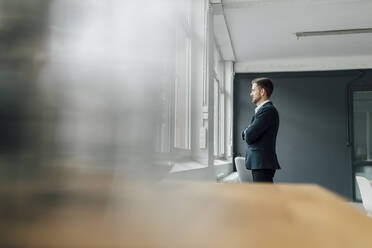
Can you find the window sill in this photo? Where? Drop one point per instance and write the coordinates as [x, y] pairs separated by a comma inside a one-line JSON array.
[[218, 162], [222, 167], [187, 165]]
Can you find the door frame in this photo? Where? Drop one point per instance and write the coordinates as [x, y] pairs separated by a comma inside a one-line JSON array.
[[352, 87]]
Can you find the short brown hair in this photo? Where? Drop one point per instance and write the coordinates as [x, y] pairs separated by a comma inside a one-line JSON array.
[[264, 83]]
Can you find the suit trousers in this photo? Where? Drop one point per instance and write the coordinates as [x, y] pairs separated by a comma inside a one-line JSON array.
[[263, 175]]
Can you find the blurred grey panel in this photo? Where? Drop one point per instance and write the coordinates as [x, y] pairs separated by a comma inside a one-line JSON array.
[[85, 87]]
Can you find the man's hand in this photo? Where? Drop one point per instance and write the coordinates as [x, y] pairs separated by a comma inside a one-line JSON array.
[[243, 134]]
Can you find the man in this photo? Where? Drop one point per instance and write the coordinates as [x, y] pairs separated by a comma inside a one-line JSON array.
[[260, 135]]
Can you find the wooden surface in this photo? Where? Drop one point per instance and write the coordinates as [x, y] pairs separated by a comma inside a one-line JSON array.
[[108, 214]]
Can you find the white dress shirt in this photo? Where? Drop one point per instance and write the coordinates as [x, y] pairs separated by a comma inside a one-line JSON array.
[[259, 106]]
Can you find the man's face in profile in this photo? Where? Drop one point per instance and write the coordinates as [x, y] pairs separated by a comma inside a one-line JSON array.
[[255, 93]]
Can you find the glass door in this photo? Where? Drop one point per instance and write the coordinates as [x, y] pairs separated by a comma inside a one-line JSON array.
[[362, 136]]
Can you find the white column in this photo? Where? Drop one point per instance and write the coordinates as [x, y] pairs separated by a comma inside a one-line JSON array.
[[210, 85]]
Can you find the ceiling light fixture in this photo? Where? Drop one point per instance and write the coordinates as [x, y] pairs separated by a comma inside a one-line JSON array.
[[334, 32]]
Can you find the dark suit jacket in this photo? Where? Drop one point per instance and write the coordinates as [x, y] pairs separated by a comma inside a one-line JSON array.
[[261, 139]]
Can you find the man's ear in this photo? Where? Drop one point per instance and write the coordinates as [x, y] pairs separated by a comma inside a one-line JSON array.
[[262, 92]]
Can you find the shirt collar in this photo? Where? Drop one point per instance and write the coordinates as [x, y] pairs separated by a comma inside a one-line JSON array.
[[259, 106]]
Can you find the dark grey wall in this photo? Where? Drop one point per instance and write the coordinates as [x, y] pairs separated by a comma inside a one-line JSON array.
[[312, 137]]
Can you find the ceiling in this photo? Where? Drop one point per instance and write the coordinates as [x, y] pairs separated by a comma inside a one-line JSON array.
[[262, 32]]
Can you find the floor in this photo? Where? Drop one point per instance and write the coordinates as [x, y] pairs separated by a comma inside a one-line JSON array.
[[357, 205]]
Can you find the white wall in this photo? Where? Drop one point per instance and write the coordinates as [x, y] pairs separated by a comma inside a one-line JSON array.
[[306, 64]]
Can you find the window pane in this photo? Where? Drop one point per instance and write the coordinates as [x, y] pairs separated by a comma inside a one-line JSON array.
[[222, 124], [362, 125], [216, 119], [182, 87]]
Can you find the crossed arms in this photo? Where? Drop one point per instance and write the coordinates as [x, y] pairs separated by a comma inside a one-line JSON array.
[[258, 127]]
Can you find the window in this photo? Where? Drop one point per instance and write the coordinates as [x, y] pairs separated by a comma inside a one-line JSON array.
[[362, 135], [182, 94], [219, 106]]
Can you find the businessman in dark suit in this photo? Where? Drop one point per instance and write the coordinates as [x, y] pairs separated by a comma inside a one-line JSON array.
[[260, 135]]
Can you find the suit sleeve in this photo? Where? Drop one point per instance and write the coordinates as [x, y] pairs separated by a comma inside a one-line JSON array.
[[258, 126]]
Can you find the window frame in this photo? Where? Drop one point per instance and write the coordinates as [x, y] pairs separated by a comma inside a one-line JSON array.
[[183, 26]]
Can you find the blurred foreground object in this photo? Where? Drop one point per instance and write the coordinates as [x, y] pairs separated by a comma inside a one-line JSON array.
[[197, 215], [82, 89], [84, 84]]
